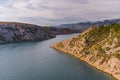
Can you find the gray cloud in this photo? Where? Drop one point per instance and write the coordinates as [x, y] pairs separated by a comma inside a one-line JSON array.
[[51, 12]]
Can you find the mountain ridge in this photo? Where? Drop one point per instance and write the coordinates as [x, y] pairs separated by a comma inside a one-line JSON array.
[[88, 24]]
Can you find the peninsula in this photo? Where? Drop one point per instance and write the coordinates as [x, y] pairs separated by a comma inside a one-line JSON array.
[[98, 46]]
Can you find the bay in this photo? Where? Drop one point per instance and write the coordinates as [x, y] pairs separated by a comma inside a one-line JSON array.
[[37, 61]]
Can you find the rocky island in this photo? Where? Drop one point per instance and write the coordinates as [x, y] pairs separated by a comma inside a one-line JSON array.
[[98, 46]]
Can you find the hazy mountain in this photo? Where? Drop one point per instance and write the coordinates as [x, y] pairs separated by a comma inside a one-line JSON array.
[[85, 25]]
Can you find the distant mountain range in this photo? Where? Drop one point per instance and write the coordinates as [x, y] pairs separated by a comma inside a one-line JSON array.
[[85, 25]]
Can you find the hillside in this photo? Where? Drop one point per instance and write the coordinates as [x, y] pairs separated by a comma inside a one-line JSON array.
[[85, 25], [98, 46], [12, 32]]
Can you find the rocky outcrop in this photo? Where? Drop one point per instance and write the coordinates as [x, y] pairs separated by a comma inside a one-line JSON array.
[[98, 46], [11, 32], [20, 32]]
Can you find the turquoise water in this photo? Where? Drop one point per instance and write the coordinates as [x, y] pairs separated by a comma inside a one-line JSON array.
[[37, 61]]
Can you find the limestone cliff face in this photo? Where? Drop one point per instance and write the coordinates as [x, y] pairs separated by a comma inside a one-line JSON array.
[[11, 32], [20, 32], [98, 46]]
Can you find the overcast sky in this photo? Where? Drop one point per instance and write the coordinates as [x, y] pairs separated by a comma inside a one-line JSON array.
[[52, 12]]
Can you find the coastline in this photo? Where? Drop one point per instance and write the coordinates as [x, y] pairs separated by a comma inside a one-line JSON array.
[[82, 59]]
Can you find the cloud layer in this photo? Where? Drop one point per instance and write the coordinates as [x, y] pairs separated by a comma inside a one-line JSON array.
[[52, 12]]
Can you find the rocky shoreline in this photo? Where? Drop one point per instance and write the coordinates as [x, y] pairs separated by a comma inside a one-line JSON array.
[[82, 59], [101, 52]]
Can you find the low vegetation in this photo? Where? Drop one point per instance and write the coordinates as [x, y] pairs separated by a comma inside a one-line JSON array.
[[99, 46], [117, 56]]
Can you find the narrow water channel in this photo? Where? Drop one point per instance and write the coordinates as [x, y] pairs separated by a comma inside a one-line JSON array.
[[37, 61]]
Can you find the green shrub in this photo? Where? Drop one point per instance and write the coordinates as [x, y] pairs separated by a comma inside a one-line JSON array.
[[108, 48], [117, 56]]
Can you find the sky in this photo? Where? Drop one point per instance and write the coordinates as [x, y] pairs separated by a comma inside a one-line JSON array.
[[54, 12]]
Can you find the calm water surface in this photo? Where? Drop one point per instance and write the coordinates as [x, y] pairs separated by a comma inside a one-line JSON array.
[[37, 61]]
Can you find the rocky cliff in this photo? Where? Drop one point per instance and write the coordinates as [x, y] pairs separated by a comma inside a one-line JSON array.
[[20, 32], [98, 46], [11, 32]]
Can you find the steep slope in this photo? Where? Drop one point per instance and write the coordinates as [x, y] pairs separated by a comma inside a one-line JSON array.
[[20, 32], [11, 32], [98, 46]]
